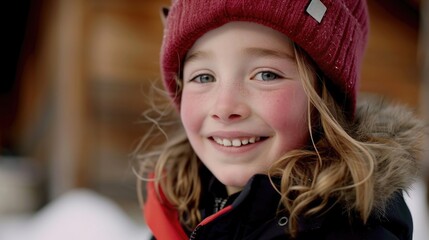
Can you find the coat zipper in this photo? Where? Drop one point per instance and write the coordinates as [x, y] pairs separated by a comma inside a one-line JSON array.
[[209, 219], [194, 233]]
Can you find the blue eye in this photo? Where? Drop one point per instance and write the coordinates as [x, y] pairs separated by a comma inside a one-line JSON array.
[[266, 76], [203, 78]]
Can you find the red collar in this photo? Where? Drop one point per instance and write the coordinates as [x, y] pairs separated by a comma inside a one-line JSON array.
[[161, 218]]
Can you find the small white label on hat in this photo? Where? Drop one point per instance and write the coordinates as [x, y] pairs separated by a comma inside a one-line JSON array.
[[317, 10]]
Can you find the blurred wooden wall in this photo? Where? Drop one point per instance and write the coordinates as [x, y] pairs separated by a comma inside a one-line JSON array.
[[391, 66], [83, 85]]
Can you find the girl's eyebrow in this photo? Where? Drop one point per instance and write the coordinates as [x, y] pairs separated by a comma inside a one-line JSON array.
[[264, 52], [252, 51], [197, 55]]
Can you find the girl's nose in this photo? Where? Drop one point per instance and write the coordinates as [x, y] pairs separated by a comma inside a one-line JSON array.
[[230, 105]]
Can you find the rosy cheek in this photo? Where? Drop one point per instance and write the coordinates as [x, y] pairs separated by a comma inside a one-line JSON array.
[[189, 111], [286, 106], [287, 113]]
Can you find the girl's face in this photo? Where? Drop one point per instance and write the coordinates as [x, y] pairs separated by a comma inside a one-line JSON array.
[[243, 105]]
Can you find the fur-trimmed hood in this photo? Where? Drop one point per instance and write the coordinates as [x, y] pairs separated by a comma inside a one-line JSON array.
[[398, 166]]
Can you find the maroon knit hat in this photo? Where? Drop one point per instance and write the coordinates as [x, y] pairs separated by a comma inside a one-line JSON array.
[[332, 32]]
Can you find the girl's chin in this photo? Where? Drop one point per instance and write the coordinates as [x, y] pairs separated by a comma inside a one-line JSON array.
[[233, 182]]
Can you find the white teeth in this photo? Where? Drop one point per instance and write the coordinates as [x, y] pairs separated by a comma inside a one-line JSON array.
[[235, 142], [227, 143], [218, 140]]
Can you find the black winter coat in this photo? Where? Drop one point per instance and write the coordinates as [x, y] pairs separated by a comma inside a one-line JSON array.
[[254, 215]]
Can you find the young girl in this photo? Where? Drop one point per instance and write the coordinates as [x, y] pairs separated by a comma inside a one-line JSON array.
[[271, 143]]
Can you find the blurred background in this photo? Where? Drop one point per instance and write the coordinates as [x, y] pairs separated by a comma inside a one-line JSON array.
[[75, 77]]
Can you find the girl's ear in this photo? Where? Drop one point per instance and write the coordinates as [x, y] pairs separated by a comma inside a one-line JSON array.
[[164, 14]]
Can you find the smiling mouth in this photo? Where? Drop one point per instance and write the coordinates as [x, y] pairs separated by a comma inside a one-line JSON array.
[[237, 142]]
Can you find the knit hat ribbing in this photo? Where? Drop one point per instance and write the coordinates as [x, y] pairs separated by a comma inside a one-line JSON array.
[[336, 44]]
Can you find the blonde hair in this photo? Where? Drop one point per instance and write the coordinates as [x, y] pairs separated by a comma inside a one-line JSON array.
[[333, 166], [336, 166]]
